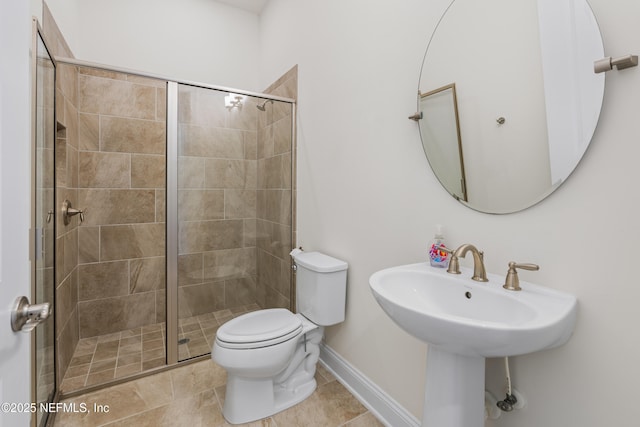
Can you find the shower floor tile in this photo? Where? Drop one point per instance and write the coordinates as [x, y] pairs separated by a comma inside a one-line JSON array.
[[100, 359]]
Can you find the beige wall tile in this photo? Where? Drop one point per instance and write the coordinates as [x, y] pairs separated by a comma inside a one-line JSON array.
[[202, 298], [104, 170], [161, 306], [103, 280], [130, 135], [147, 274], [161, 103], [239, 204], [70, 253], [281, 240], [67, 248], [105, 206], [60, 101], [265, 144], [190, 269], [274, 205], [240, 291], [66, 299], [250, 232], [269, 269], [161, 197], [52, 34], [245, 118], [250, 145], [67, 81], [99, 72], [88, 132], [67, 338], [204, 236], [118, 242], [275, 299], [148, 81], [206, 141], [71, 119], [201, 205], [191, 172], [282, 135], [275, 172], [281, 110], [88, 244], [108, 315], [148, 171], [61, 162], [222, 173], [229, 264], [72, 155], [116, 98], [288, 80], [201, 107]]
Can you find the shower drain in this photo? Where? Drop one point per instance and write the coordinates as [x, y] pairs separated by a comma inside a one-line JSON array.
[[183, 341]]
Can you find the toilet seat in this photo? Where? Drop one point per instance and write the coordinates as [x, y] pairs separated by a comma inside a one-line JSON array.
[[259, 329]]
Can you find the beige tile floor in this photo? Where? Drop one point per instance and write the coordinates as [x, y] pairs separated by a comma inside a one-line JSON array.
[[101, 359], [192, 396]]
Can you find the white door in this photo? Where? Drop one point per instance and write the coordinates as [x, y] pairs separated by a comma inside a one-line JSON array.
[[15, 359]]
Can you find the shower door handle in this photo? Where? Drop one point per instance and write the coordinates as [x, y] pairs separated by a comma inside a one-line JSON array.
[[25, 317]]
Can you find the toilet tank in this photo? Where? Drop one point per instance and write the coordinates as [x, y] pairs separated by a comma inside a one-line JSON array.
[[321, 287]]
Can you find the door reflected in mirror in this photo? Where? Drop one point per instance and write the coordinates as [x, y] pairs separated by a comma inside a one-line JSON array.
[[440, 130], [527, 100]]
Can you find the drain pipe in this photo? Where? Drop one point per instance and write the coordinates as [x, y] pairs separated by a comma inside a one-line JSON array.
[[509, 402]]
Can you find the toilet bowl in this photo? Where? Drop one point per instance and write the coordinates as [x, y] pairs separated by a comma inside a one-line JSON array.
[[270, 355]]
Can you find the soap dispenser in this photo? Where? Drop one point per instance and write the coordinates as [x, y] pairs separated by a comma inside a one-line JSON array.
[[438, 257]]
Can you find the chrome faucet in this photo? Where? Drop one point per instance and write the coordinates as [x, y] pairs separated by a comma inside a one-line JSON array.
[[479, 272]]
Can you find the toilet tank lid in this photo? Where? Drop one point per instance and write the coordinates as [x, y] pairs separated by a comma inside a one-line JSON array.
[[319, 262]]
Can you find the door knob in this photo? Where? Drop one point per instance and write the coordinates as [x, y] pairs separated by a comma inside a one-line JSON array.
[[25, 316]]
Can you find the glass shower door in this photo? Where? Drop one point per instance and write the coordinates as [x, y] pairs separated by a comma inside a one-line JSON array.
[[44, 236], [228, 226]]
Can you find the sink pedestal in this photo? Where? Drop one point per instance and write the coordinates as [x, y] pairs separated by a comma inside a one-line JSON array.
[[454, 392]]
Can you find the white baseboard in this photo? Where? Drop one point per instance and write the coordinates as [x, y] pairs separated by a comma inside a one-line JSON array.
[[387, 410]]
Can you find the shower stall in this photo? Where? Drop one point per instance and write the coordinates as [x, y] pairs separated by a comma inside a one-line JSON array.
[[186, 192]]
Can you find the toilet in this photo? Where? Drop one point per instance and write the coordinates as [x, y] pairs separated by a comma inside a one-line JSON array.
[[270, 355]]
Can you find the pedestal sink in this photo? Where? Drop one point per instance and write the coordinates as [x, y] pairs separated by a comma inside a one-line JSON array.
[[464, 322]]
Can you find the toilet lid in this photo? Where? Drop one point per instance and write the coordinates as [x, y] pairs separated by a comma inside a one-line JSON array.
[[259, 329]]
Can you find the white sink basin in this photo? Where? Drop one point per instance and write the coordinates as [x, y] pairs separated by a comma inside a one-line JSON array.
[[464, 322], [470, 318]]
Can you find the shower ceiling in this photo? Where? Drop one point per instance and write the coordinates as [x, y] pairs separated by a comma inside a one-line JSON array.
[[255, 6]]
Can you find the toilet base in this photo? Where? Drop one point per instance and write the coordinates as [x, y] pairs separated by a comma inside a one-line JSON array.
[[251, 399], [254, 400]]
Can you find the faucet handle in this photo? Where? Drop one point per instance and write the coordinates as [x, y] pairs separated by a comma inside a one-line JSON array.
[[454, 264], [512, 282], [445, 249], [524, 266]]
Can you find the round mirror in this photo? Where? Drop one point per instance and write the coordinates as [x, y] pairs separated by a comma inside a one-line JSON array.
[[509, 98]]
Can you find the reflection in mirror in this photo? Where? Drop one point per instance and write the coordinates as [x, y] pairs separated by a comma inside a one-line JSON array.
[[440, 132], [527, 96]]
